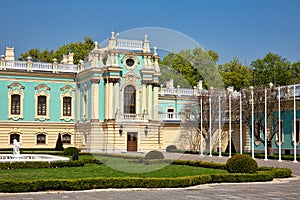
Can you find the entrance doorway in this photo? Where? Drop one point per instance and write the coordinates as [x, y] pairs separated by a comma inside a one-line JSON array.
[[132, 138]]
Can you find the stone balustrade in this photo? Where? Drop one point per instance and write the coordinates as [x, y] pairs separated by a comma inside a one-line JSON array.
[[38, 66]]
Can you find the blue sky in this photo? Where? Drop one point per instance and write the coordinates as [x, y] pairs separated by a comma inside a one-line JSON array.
[[246, 29]]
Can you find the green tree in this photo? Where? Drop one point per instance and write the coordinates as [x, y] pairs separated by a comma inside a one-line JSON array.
[[272, 68], [182, 69], [194, 65], [235, 74], [295, 73], [80, 50]]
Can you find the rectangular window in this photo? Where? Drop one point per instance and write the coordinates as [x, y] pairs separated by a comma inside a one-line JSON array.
[[42, 105], [67, 106], [15, 104], [297, 131], [66, 139], [281, 131], [41, 139]]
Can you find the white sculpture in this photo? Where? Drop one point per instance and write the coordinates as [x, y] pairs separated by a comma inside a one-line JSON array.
[[17, 145]]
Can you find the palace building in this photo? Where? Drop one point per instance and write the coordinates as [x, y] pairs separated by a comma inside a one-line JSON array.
[[112, 102]]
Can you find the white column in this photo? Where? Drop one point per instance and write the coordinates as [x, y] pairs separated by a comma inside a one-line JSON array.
[[266, 138], [210, 127], [295, 120], [155, 103], [150, 102], [116, 98], [220, 145], [201, 127], [111, 100], [106, 100], [279, 126], [241, 125], [252, 123], [229, 99], [94, 100], [144, 100], [78, 105]]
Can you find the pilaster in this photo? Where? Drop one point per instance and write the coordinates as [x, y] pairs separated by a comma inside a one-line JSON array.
[[144, 93], [155, 103], [106, 99], [116, 97], [94, 100], [111, 100], [150, 102]]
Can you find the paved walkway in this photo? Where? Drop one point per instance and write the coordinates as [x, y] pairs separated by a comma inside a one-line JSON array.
[[277, 189]]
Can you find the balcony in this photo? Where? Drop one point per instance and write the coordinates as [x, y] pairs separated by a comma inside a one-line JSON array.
[[37, 66]]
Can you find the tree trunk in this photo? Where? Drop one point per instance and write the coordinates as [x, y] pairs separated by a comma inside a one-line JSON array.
[[269, 148]]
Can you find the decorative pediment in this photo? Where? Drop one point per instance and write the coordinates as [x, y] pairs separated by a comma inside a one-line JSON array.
[[131, 77], [15, 85], [67, 88], [42, 87]]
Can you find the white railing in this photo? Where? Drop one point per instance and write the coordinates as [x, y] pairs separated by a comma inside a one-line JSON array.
[[42, 66], [131, 117], [129, 44], [186, 92], [171, 116], [67, 68], [38, 66]]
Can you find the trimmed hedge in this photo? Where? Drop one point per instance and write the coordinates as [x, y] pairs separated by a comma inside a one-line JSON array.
[[198, 163], [154, 155], [135, 182], [241, 163], [71, 150], [171, 148], [57, 164]]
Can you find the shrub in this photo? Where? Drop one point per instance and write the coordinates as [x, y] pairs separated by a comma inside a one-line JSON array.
[[171, 148], [71, 150], [59, 145], [241, 163], [154, 155], [198, 163]]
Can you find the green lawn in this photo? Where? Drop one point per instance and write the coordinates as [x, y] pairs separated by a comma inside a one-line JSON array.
[[93, 171]]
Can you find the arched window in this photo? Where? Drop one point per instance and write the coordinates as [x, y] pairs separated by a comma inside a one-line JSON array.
[[41, 138], [66, 139], [170, 113], [14, 136], [129, 99]]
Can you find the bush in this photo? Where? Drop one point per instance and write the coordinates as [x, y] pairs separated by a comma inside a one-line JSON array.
[[154, 155], [71, 150], [171, 148], [198, 163], [59, 145], [241, 163]]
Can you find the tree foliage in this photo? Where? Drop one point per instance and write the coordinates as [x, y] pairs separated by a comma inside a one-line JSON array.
[[80, 50], [235, 74], [272, 68], [193, 65]]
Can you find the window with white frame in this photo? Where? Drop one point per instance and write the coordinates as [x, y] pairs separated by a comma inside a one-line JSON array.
[[170, 113], [13, 136], [297, 131], [42, 102], [66, 139], [41, 138], [281, 131], [67, 97], [15, 101]]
